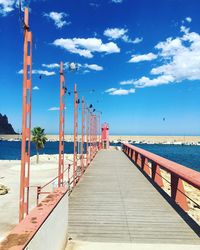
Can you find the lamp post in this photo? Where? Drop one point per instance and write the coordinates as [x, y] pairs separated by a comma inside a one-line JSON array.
[[83, 136], [61, 128], [75, 134], [99, 127], [26, 119], [87, 136]]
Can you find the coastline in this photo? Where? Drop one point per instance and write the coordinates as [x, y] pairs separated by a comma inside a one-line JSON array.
[[137, 139]]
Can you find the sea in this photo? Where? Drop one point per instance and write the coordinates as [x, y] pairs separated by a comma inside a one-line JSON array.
[[187, 155]]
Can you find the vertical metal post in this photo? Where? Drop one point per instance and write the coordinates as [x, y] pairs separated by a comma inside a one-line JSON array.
[[61, 128], [87, 136], [26, 119], [96, 139], [99, 130], [83, 136], [90, 119], [94, 133], [75, 134], [91, 136], [93, 123]]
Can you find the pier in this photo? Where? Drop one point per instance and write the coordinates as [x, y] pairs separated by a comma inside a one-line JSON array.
[[106, 197], [117, 200]]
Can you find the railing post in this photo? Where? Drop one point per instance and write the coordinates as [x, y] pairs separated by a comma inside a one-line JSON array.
[[99, 131], [126, 150], [156, 174], [136, 158], [177, 192], [129, 153], [87, 135], [68, 174], [96, 139], [145, 165], [38, 194], [75, 135], [61, 129], [83, 136], [26, 120], [139, 160], [133, 155], [90, 136]]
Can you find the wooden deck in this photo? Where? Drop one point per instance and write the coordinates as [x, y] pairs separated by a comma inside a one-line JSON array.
[[114, 202]]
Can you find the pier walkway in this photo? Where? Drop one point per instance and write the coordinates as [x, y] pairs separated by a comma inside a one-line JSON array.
[[115, 202]]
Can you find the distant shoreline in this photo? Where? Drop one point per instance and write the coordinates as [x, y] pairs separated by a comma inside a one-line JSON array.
[[174, 140]]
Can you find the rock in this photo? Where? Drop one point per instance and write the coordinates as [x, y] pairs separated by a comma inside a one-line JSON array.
[[3, 190], [5, 126]]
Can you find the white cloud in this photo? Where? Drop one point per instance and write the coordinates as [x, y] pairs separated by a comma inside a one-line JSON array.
[[86, 46], [127, 82], [54, 108], [146, 82], [137, 40], [51, 66], [120, 33], [86, 67], [36, 88], [110, 90], [93, 67], [188, 19], [181, 57], [115, 33], [184, 29], [117, 1], [96, 5], [43, 72], [120, 91], [6, 6], [58, 18], [39, 72], [86, 71], [140, 58]]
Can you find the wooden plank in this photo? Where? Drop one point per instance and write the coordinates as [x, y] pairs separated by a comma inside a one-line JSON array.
[[114, 202]]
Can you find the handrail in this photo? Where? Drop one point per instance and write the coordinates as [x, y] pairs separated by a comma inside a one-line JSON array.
[[178, 172], [190, 176], [76, 178]]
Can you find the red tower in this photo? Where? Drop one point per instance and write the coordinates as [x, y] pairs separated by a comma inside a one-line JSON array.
[[105, 136]]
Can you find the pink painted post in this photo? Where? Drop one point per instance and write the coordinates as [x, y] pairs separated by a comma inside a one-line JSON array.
[[26, 120]]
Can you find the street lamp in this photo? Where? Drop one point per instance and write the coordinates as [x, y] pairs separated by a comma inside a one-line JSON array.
[[99, 127]]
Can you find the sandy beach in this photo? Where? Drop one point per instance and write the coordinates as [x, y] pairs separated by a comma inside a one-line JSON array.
[[40, 174], [127, 138]]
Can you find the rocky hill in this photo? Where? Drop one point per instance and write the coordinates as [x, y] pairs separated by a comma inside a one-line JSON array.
[[5, 126]]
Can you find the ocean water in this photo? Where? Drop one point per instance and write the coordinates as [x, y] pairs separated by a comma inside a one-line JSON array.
[[11, 150], [184, 154]]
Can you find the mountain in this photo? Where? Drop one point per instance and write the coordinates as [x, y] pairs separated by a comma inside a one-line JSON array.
[[5, 127]]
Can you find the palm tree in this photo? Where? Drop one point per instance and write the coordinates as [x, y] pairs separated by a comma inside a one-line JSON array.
[[39, 139]]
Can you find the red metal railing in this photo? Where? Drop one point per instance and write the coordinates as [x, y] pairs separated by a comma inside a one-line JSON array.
[[151, 164], [69, 183]]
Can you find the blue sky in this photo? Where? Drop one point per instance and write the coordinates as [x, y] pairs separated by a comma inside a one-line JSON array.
[[141, 57]]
